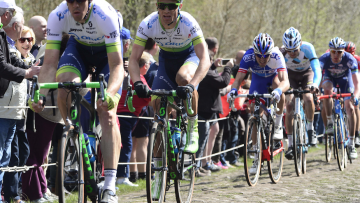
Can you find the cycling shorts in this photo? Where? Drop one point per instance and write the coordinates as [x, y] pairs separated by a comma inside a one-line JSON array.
[[260, 85], [80, 59], [345, 83], [169, 64], [304, 78]]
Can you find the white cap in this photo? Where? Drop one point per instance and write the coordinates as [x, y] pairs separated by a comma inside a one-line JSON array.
[[7, 4]]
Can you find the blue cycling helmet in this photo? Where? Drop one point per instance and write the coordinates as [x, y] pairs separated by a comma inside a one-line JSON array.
[[291, 38], [263, 44], [337, 43]]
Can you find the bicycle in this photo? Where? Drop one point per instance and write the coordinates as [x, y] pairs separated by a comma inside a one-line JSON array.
[[170, 166], [340, 139], [73, 159], [299, 132], [265, 148]]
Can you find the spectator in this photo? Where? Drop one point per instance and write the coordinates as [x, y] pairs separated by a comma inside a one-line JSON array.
[[15, 96], [38, 25], [127, 124], [126, 40], [152, 48], [209, 106], [213, 44]]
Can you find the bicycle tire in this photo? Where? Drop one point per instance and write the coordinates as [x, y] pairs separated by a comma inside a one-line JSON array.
[[346, 157], [275, 165], [184, 188], [70, 158], [339, 145], [304, 145], [297, 144], [328, 147], [156, 135], [250, 157]]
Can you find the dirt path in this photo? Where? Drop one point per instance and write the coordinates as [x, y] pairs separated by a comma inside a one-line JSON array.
[[323, 182]]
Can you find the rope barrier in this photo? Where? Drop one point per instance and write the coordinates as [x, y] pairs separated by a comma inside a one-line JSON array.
[[22, 168]]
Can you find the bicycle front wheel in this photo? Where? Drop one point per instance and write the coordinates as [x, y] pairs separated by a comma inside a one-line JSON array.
[[184, 186], [339, 143], [297, 144], [70, 167], [252, 151], [156, 164], [275, 164], [328, 147]]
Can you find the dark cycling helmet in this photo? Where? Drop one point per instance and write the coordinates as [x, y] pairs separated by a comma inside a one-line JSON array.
[[350, 47], [263, 44], [337, 43]]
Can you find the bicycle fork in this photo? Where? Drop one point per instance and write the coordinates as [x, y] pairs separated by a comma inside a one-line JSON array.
[[301, 127]]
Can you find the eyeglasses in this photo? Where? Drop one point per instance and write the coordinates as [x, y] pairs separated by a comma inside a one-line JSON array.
[[72, 1], [263, 56], [22, 40], [292, 51], [170, 6], [336, 51]]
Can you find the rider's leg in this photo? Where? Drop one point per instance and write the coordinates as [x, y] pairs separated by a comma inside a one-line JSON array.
[[309, 108], [350, 112], [278, 120], [328, 106], [357, 126], [183, 77], [289, 117]]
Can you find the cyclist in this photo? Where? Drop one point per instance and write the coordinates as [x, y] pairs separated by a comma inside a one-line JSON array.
[[351, 48], [268, 68], [94, 26], [303, 67], [183, 60], [340, 68]]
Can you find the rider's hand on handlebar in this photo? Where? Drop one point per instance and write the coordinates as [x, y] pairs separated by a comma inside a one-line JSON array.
[[39, 106], [141, 89], [314, 89], [276, 94], [182, 91], [233, 92], [356, 101]]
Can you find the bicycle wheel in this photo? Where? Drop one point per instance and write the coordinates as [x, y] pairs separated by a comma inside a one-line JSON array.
[[339, 143], [304, 147], [184, 187], [252, 152], [156, 165], [275, 164], [328, 147], [297, 144], [70, 166]]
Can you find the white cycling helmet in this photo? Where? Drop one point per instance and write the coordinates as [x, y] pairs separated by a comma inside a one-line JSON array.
[[291, 38], [337, 43], [263, 44]]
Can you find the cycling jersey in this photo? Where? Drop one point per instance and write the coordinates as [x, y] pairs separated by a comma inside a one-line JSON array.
[[101, 29], [306, 59], [275, 64], [337, 70], [357, 58]]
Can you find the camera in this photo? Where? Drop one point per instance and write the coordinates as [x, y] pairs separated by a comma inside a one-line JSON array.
[[224, 61]]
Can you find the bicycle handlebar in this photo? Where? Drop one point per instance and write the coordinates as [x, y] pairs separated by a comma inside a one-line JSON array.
[[250, 96], [35, 91], [171, 93], [336, 96]]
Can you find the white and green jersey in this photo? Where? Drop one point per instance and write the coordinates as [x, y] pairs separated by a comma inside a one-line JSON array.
[[186, 33], [101, 29]]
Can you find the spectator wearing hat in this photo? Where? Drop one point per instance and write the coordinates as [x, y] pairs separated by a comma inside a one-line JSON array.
[[126, 40]]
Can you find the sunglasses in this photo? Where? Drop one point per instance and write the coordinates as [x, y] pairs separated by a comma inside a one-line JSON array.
[[336, 51], [72, 1], [263, 56], [170, 6], [292, 51], [22, 40]]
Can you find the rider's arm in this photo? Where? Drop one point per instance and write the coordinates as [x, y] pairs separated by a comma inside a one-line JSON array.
[[134, 69], [239, 78], [116, 72], [310, 53], [201, 51], [355, 78], [48, 70], [284, 81]]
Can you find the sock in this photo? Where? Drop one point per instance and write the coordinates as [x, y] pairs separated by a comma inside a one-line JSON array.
[[110, 179], [142, 175], [133, 176], [356, 133], [290, 140], [329, 119], [278, 120], [352, 142], [309, 125]]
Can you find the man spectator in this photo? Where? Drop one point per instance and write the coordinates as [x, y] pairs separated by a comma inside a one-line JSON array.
[[15, 96], [152, 48], [38, 24], [213, 44]]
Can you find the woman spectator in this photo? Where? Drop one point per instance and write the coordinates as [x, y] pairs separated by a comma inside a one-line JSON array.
[[127, 124], [25, 43]]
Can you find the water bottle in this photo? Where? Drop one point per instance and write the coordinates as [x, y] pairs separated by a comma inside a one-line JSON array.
[[88, 148], [175, 135]]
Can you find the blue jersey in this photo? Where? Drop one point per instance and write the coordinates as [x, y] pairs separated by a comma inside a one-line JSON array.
[[275, 64], [337, 70]]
